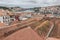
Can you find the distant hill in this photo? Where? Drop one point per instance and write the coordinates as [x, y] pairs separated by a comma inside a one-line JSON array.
[[8, 8], [1, 7]]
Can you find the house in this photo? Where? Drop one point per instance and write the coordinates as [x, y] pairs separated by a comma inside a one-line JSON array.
[[11, 14], [23, 15], [5, 16], [2, 15]]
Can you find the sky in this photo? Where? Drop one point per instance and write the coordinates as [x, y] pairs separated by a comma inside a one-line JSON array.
[[29, 3]]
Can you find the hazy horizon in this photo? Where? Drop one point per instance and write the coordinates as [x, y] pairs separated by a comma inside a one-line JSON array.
[[29, 3]]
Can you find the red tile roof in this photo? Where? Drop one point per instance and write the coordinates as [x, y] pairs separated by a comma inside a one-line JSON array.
[[2, 24], [2, 12], [24, 34]]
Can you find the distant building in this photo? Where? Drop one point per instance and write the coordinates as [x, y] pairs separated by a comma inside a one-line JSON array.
[[5, 16]]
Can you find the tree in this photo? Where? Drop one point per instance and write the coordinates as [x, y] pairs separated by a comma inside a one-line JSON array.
[[36, 10]]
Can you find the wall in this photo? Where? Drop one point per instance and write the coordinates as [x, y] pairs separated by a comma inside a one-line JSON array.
[[1, 19]]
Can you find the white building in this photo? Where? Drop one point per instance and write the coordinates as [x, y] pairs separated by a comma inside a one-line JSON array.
[[4, 17]]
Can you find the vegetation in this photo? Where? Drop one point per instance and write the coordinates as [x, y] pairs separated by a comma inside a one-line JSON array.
[[5, 8], [44, 28], [36, 10]]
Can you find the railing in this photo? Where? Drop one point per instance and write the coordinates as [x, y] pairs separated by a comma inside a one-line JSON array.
[[48, 34], [50, 31]]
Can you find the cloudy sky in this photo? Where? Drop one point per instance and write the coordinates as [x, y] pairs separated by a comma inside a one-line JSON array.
[[29, 3]]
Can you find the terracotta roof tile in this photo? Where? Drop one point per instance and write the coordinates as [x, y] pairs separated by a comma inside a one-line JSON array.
[[24, 34], [1, 13], [2, 24]]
